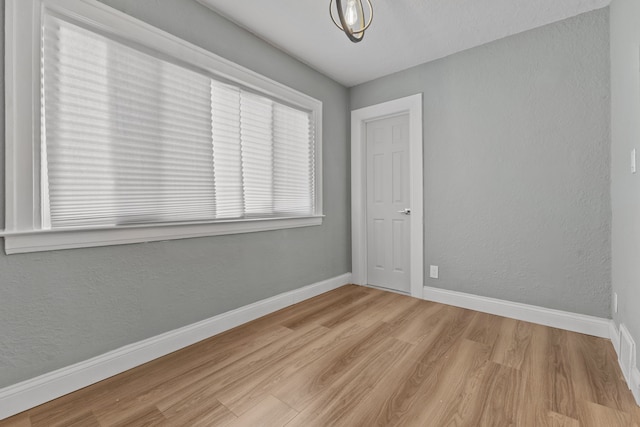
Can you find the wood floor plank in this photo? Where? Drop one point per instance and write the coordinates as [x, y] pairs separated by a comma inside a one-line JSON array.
[[127, 389], [499, 393], [595, 373], [147, 417], [320, 313], [536, 391], [196, 406], [77, 417], [334, 406], [421, 318], [485, 329], [210, 375], [317, 307], [88, 419], [563, 399], [389, 307], [398, 305], [454, 396], [241, 395], [376, 300], [594, 415], [301, 388], [364, 357], [20, 420], [365, 411], [425, 366], [513, 343], [558, 420], [270, 412]]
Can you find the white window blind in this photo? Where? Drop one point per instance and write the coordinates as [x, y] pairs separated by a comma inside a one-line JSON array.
[[131, 138]]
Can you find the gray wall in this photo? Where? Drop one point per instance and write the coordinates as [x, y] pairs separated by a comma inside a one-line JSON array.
[[63, 307], [625, 187], [517, 149]]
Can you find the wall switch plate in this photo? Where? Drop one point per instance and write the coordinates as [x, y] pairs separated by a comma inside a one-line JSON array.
[[633, 161], [433, 271], [615, 302]]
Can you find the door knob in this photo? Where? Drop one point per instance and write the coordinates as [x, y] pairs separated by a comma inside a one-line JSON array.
[[405, 211]]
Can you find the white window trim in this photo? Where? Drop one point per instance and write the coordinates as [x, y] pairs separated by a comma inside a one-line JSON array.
[[23, 231], [46, 240]]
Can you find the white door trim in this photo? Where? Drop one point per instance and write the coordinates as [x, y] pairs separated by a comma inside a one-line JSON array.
[[412, 105]]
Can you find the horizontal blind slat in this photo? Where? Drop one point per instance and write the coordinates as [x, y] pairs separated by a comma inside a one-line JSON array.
[[133, 138], [127, 134]]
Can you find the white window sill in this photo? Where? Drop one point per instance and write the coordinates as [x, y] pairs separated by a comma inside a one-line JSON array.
[[48, 240]]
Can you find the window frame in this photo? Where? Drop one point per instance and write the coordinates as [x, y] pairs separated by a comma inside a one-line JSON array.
[[23, 210]]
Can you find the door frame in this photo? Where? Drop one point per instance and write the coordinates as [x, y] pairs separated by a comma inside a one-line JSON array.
[[359, 118]]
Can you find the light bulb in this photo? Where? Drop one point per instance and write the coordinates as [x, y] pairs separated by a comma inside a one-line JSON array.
[[351, 13]]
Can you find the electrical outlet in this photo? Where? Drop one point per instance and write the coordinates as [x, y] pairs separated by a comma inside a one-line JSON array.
[[615, 302], [433, 271]]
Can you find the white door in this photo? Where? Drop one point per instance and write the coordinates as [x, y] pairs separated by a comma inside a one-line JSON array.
[[388, 203]]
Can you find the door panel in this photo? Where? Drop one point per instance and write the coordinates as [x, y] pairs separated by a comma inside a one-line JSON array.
[[398, 245], [378, 242], [398, 169], [388, 230]]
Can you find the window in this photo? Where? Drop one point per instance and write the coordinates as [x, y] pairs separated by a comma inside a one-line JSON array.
[[122, 133]]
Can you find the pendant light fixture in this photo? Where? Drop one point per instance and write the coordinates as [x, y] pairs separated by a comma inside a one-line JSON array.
[[352, 19]]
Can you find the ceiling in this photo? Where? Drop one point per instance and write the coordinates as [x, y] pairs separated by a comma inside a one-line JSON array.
[[404, 33]]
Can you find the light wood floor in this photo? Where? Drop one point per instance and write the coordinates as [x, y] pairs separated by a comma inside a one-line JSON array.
[[364, 357]]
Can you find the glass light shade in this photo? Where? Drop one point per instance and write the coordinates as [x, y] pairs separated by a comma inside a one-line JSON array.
[[351, 17]]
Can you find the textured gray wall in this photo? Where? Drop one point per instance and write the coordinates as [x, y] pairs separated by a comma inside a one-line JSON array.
[[63, 307], [516, 143], [625, 187]]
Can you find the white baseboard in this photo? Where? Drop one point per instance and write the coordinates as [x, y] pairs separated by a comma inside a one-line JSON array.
[[635, 384], [614, 334], [589, 325], [626, 352], [28, 394], [633, 375]]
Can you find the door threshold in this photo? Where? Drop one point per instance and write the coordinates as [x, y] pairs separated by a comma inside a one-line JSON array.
[[382, 288]]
